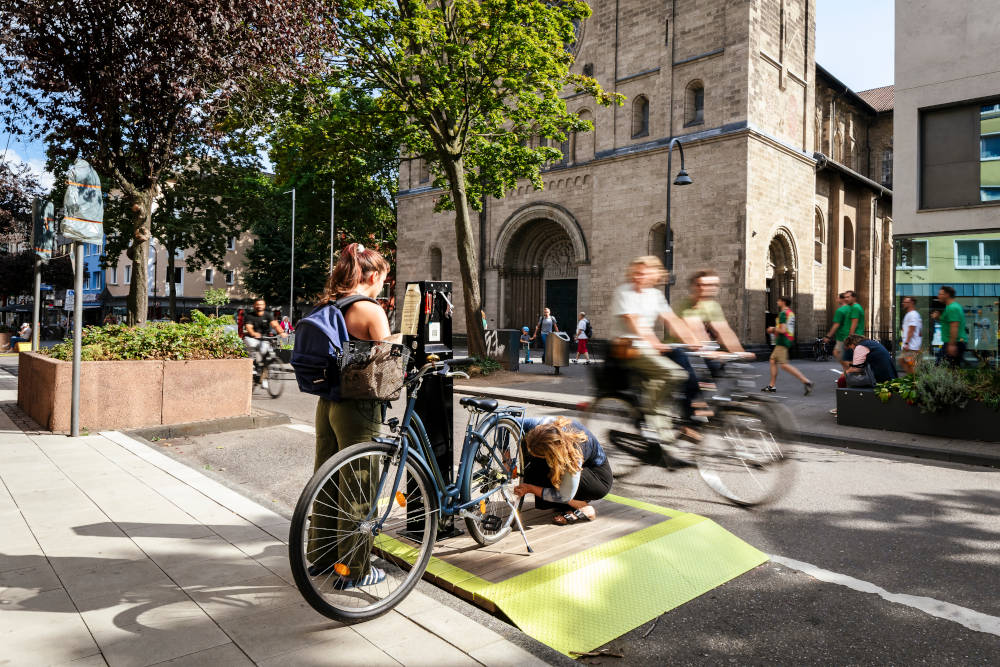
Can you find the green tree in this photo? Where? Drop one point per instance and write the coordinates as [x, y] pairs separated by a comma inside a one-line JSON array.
[[321, 134], [216, 297], [468, 84]]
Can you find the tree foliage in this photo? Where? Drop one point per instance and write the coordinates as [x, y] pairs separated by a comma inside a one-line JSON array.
[[17, 273], [469, 84], [18, 187], [131, 85], [322, 134]]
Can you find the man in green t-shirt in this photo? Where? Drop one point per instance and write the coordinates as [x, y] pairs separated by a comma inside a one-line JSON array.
[[840, 330], [953, 334], [856, 318], [704, 315], [784, 339]]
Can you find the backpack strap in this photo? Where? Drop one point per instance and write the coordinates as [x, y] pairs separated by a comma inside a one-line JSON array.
[[344, 303]]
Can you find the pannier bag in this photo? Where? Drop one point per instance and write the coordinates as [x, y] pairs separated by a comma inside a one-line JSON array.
[[323, 351]]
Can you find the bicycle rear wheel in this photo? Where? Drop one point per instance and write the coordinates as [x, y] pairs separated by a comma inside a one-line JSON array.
[[617, 421], [274, 384], [335, 536], [497, 467], [742, 459]]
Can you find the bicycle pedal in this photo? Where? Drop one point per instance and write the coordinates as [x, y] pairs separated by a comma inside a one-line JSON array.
[[491, 522]]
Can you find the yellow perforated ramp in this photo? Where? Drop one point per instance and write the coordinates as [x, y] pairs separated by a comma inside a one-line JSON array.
[[588, 584]]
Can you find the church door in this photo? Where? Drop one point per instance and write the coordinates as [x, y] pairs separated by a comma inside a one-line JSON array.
[[560, 298]]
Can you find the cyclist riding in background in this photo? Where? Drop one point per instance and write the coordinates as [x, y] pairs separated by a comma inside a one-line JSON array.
[[703, 314], [256, 325], [637, 305]]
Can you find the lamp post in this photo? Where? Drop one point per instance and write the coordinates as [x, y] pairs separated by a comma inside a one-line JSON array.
[[682, 179], [291, 282]]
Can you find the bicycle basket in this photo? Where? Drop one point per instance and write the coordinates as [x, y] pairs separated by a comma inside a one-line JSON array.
[[372, 370]]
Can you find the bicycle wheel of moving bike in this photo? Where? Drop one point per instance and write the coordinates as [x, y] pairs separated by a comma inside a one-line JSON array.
[[616, 421], [497, 467], [274, 384], [338, 539], [742, 459]]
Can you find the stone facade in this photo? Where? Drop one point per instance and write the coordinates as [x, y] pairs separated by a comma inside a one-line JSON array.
[[737, 82]]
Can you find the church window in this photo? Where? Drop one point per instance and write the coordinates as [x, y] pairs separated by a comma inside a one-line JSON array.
[[425, 173], [887, 167], [583, 142], [848, 243], [640, 117], [694, 104], [658, 242], [435, 263], [820, 238]]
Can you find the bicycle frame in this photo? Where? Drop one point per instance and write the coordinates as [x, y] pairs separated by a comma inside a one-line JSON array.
[[411, 430]]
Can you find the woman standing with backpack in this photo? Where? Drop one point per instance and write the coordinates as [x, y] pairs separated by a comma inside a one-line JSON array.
[[339, 424]]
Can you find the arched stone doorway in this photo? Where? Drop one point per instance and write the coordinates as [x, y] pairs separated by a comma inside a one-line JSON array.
[[539, 254], [780, 274]]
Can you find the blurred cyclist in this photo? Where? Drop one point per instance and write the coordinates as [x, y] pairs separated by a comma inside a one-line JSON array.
[[257, 325]]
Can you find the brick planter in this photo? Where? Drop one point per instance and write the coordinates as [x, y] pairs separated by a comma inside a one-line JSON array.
[[130, 394]]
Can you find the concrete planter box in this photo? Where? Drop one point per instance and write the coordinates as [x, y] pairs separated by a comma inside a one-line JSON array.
[[976, 421], [130, 394]]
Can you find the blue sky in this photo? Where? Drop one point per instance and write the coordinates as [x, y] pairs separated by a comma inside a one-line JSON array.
[[854, 41]]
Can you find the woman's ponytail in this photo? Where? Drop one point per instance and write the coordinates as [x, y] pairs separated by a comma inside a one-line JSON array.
[[355, 265]]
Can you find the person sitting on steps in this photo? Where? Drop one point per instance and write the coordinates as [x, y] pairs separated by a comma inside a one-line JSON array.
[[566, 468]]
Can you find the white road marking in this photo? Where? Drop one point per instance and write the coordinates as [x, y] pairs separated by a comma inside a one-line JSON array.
[[969, 618], [305, 428]]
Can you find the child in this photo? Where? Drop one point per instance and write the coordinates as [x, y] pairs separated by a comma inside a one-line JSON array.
[[526, 345]]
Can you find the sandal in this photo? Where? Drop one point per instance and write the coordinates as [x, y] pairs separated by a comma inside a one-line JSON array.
[[572, 517]]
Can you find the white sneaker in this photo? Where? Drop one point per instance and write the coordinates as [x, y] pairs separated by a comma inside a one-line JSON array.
[[263, 384]]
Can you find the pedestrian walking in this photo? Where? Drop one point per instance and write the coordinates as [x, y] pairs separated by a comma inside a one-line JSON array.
[[784, 333], [840, 330], [912, 335], [583, 333], [953, 335]]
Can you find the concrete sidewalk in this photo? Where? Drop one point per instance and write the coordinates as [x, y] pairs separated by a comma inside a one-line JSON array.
[[114, 554], [537, 385]]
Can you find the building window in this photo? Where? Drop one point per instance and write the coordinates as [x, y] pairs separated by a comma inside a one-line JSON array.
[[848, 243], [230, 277], [977, 254], [231, 244], [128, 274], [911, 254], [640, 117], [179, 253], [565, 150], [179, 275], [583, 142], [887, 167], [424, 172], [435, 263], [960, 155], [113, 271], [694, 104], [658, 242], [209, 276], [820, 241]]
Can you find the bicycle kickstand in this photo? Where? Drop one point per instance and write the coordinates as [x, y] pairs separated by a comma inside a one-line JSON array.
[[517, 517]]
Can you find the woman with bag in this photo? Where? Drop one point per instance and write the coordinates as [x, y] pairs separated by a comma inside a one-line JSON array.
[[340, 424]]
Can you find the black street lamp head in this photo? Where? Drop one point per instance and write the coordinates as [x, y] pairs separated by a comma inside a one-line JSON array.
[[682, 178]]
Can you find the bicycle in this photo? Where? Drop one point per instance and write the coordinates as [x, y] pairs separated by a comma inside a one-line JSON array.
[[385, 497], [269, 371], [822, 351], [738, 451]]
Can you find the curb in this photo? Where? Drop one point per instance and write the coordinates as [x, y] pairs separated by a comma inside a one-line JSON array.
[[258, 418], [917, 451]]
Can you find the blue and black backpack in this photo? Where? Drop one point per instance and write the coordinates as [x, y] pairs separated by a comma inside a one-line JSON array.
[[320, 338]]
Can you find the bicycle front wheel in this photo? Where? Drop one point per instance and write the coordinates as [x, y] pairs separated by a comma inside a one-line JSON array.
[[273, 381], [497, 467], [348, 563], [742, 459]]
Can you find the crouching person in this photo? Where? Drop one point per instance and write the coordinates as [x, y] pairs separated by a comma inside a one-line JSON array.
[[565, 468]]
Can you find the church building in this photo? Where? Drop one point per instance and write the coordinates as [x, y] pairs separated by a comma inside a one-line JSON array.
[[791, 177]]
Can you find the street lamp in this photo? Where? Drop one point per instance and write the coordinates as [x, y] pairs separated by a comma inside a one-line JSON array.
[[291, 282], [682, 179]]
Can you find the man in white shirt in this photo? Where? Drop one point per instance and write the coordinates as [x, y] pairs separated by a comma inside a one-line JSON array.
[[912, 335], [636, 306]]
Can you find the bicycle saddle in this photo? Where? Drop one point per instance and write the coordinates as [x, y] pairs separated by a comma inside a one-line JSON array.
[[481, 404]]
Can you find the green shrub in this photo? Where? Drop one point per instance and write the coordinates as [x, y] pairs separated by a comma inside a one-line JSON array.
[[936, 387], [485, 365], [199, 339]]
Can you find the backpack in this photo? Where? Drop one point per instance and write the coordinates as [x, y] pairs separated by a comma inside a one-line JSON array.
[[588, 330], [320, 338]]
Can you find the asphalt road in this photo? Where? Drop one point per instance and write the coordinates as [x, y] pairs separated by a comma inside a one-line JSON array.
[[927, 531]]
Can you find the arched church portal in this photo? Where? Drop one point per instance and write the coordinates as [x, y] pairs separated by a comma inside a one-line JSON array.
[[780, 273], [539, 270]]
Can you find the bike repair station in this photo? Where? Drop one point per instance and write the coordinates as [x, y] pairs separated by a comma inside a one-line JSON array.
[[580, 587]]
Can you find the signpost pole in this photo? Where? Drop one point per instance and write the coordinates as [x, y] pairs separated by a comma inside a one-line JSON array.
[[37, 309], [77, 338], [291, 285]]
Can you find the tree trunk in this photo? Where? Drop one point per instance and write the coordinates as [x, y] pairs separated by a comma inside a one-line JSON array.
[[467, 258], [138, 293], [172, 284]]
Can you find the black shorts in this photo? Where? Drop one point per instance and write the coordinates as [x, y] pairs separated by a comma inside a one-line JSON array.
[[595, 481]]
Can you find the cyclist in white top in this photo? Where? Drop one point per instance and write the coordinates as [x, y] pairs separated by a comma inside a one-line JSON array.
[[636, 307]]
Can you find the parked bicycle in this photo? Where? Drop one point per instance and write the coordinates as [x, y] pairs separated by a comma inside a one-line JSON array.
[[740, 452], [269, 371], [385, 498], [822, 350]]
